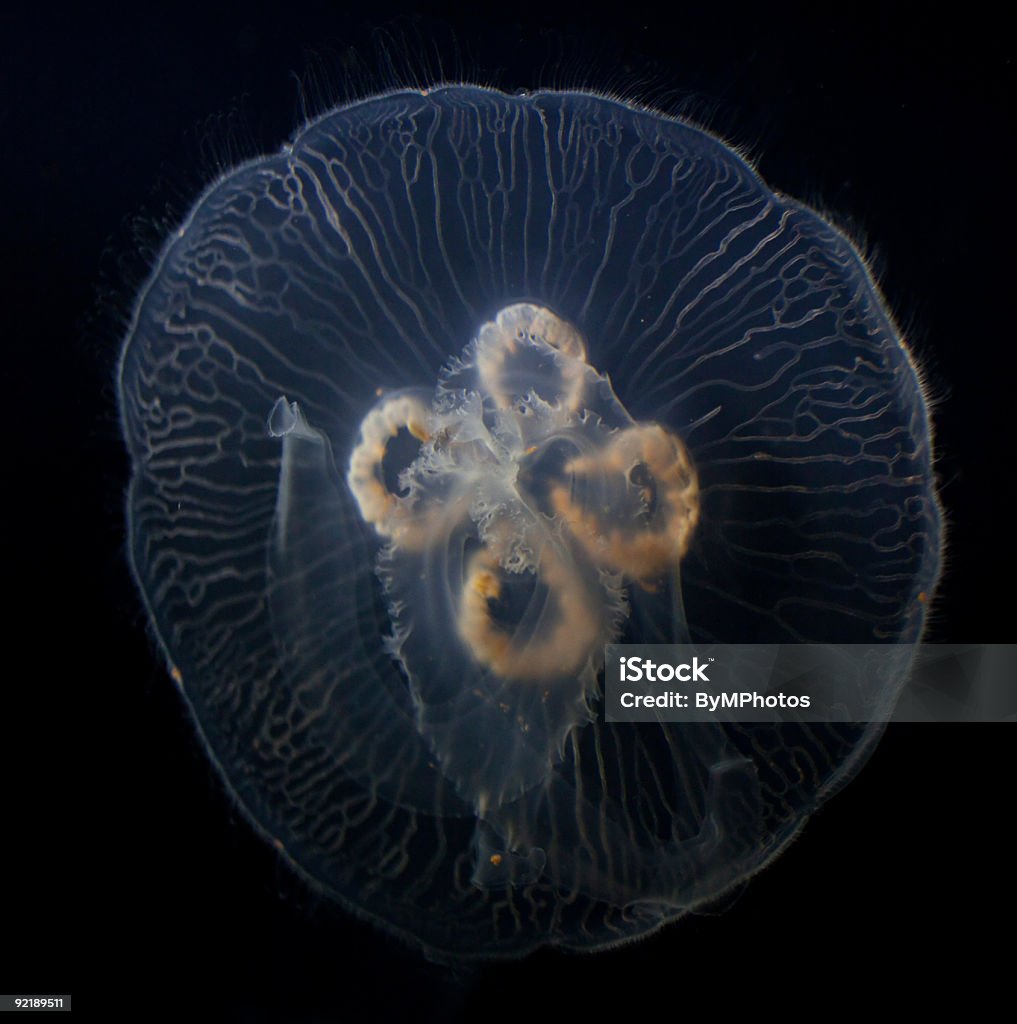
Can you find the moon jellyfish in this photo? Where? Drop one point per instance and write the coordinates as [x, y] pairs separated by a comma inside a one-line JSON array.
[[454, 390]]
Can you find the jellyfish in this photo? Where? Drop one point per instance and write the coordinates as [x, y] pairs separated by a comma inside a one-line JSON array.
[[452, 391]]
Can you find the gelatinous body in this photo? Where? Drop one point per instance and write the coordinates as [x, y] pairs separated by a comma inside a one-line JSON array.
[[459, 387]]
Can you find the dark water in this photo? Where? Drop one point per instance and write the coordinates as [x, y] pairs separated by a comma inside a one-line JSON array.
[[126, 874]]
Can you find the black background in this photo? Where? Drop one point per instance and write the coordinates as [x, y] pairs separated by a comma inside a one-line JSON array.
[[125, 872]]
